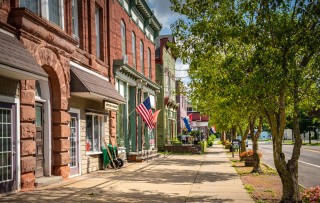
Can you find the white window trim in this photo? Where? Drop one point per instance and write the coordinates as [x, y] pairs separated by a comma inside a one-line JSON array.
[[102, 134], [44, 11], [76, 19], [77, 111], [16, 101]]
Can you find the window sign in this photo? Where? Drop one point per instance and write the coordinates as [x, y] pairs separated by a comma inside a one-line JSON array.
[[94, 132]]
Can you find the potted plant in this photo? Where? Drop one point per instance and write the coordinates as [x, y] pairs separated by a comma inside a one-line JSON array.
[[247, 157]]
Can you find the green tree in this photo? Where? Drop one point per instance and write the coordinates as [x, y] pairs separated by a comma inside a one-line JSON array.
[[264, 53]]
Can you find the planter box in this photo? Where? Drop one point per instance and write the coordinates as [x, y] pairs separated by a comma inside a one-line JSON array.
[[248, 160]]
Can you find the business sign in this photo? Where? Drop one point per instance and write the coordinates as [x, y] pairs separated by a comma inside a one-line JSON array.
[[235, 144], [110, 106]]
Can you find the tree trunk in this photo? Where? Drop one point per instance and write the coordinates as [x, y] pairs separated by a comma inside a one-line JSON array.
[[255, 137], [288, 172], [223, 136], [233, 133], [309, 137], [244, 138]]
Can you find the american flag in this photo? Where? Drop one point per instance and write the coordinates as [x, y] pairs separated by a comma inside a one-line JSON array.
[[144, 109]]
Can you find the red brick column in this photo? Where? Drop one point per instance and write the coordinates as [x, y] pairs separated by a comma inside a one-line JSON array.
[[28, 132], [113, 127]]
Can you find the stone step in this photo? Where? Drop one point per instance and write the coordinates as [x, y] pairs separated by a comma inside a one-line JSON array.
[[140, 158], [47, 180]]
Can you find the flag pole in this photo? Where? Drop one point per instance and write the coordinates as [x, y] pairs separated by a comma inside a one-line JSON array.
[[131, 112], [135, 108]]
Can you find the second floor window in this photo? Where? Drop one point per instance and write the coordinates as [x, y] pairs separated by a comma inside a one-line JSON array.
[[149, 63], [134, 50], [97, 19], [54, 12], [123, 38], [75, 26], [51, 10], [141, 57], [32, 5]]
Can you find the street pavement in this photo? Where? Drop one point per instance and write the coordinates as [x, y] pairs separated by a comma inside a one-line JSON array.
[[309, 161], [174, 178]]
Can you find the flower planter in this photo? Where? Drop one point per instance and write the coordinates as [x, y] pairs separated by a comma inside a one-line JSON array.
[[248, 160]]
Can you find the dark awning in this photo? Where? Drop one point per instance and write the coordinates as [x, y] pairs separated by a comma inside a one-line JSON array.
[[93, 86], [16, 62]]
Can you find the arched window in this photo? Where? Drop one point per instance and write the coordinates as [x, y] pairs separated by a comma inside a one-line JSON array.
[[134, 50], [141, 57], [149, 63], [123, 38]]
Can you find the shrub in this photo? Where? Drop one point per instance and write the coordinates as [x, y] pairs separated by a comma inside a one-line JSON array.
[[227, 144], [311, 195], [248, 153], [211, 139], [203, 146]]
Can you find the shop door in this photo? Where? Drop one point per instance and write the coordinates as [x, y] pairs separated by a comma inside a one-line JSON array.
[[7, 148], [39, 141], [74, 145]]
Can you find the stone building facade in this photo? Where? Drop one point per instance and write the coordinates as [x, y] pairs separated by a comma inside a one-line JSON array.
[[167, 119], [59, 99]]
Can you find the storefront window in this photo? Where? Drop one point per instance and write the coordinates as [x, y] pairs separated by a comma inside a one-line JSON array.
[[94, 132]]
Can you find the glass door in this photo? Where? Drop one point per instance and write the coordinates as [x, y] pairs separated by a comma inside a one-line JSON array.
[[7, 148], [74, 145]]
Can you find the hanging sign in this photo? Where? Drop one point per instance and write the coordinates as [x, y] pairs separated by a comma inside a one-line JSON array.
[[110, 106]]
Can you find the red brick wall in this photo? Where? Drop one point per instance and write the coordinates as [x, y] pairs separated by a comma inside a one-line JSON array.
[[117, 13]]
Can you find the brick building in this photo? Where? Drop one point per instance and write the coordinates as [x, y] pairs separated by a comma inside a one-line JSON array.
[[71, 74], [167, 119], [133, 30]]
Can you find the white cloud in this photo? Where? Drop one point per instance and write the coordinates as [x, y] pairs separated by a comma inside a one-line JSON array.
[[163, 13], [167, 17], [182, 71]]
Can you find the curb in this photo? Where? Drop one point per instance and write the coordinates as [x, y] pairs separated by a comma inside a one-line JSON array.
[[279, 176]]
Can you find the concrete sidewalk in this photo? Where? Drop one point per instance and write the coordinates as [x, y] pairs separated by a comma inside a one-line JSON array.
[[175, 178]]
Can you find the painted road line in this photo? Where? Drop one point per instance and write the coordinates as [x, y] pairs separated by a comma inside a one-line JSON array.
[[309, 164], [313, 150]]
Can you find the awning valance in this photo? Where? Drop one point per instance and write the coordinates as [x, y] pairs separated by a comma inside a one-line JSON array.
[[16, 62], [85, 83]]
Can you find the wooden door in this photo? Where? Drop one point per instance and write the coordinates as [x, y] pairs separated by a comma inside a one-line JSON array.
[[39, 141]]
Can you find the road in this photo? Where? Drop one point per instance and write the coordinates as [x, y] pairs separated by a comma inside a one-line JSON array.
[[309, 161]]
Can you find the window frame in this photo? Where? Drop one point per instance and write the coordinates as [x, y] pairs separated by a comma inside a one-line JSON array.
[[142, 57], [44, 11], [149, 63], [123, 38], [98, 31], [75, 18], [101, 118], [134, 55]]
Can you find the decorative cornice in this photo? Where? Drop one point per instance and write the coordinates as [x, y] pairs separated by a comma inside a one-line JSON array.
[[121, 66]]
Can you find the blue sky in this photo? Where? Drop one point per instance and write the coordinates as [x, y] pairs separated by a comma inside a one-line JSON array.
[[166, 17]]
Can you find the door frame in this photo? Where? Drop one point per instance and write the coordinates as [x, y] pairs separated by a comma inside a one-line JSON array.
[[16, 126], [46, 105], [40, 104], [77, 111]]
